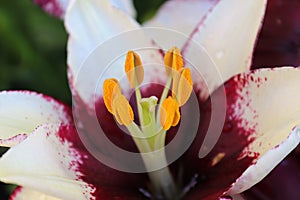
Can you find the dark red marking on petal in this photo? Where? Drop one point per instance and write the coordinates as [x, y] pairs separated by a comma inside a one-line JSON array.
[[13, 140], [15, 193], [279, 41], [52, 7], [199, 26], [93, 171], [108, 183], [160, 50], [214, 180], [50, 99], [55, 103], [117, 194]]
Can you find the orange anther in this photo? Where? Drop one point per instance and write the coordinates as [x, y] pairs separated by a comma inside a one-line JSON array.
[[111, 89], [173, 60], [134, 69], [185, 86], [169, 113], [122, 110]]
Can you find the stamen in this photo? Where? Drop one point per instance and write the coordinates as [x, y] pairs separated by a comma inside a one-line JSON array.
[[150, 135], [173, 60], [122, 110], [135, 75], [184, 86], [169, 113], [111, 89], [134, 69]]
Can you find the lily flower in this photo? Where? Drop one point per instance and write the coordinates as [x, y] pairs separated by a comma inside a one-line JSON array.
[[49, 157]]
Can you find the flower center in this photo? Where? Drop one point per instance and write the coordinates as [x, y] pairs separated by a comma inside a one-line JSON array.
[[156, 117]]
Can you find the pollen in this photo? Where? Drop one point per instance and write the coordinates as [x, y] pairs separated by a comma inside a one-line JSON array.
[[173, 60], [217, 158], [122, 110], [169, 113], [134, 69], [111, 89]]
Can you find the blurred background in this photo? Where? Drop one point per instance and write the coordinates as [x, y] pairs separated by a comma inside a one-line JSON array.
[[33, 47]]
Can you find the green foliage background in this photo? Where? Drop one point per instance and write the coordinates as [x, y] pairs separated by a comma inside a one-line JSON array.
[[33, 51]]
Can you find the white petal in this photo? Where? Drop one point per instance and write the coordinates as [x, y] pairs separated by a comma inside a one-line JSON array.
[[28, 194], [22, 111], [58, 7], [266, 102], [228, 33], [47, 163], [125, 5], [264, 106], [266, 163], [182, 16], [91, 23]]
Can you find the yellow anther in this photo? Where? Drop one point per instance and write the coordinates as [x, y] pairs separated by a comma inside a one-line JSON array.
[[184, 86], [122, 110], [169, 113], [173, 60], [111, 89], [134, 69]]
